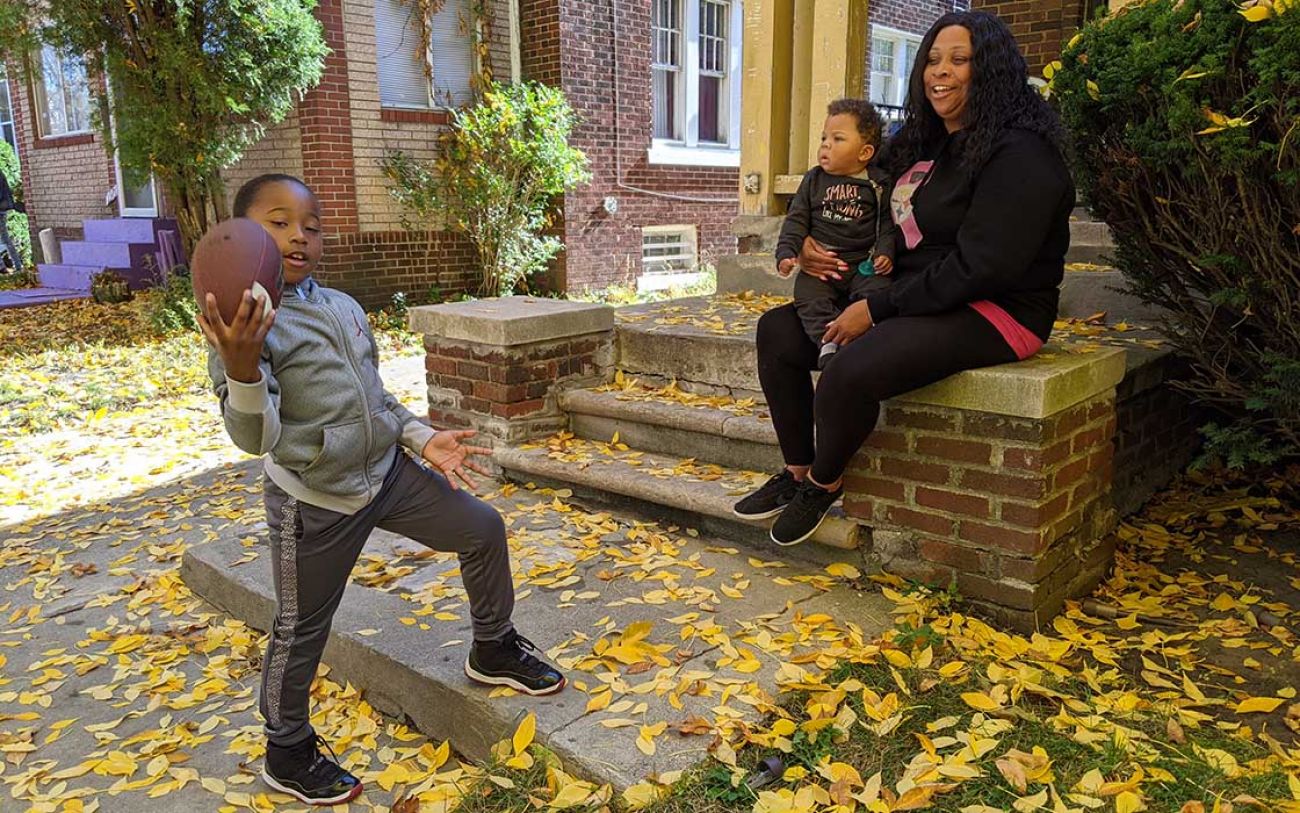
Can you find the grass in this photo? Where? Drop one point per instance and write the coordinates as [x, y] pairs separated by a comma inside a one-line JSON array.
[[709, 789]]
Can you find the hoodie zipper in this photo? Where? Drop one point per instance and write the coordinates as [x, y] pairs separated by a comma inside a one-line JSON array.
[[361, 388]]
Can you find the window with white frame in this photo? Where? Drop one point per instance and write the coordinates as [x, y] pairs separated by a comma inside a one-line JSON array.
[[62, 93], [695, 85], [7, 112], [405, 68], [669, 258], [893, 53]]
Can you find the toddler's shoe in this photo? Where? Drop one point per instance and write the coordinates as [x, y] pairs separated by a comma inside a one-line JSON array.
[[824, 357]]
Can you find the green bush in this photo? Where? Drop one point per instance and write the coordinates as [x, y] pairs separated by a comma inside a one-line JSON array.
[[172, 308], [1185, 118], [498, 168], [16, 221]]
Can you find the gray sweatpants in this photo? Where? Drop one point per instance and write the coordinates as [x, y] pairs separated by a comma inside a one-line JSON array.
[[312, 554]]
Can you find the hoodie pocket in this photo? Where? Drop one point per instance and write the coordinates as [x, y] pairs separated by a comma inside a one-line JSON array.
[[341, 465]]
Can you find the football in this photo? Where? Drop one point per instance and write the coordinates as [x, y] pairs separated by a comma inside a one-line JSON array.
[[237, 255]]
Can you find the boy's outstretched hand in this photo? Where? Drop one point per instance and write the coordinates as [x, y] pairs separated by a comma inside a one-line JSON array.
[[883, 265], [447, 454], [240, 342]]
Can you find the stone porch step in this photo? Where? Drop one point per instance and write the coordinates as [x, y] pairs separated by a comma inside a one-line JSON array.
[[683, 500], [404, 670], [126, 229], [651, 344], [115, 255], [697, 431]]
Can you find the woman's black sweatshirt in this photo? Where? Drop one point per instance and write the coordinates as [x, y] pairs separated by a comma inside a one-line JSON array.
[[1000, 236]]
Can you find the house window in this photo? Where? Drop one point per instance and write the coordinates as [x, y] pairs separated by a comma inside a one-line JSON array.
[[893, 53], [62, 94], [668, 258], [695, 68], [7, 113], [405, 68]]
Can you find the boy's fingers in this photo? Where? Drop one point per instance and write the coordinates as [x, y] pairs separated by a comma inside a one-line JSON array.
[[207, 330], [483, 450], [265, 327], [464, 433], [473, 466], [469, 481]]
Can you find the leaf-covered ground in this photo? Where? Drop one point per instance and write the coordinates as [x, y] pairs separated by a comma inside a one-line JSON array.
[[120, 691]]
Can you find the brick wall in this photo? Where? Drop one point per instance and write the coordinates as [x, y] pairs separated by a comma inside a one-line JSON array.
[[602, 249], [912, 16], [64, 179], [1157, 435], [374, 265], [1042, 27], [280, 150], [1011, 510]]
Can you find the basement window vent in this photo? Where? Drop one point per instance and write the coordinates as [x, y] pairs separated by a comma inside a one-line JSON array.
[[669, 258]]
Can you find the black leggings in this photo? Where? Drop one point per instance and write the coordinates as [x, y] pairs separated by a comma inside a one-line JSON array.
[[894, 357]]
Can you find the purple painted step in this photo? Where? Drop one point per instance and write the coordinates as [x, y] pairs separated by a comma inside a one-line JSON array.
[[127, 229], [71, 277], [118, 256], [28, 297]]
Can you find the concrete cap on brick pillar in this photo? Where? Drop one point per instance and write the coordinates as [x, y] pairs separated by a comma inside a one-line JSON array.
[[511, 320], [1053, 380]]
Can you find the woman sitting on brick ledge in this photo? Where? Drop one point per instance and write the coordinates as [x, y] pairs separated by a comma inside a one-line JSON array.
[[983, 201]]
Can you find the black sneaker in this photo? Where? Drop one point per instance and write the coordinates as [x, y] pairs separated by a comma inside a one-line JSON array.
[[770, 499], [306, 774], [510, 662], [804, 515]]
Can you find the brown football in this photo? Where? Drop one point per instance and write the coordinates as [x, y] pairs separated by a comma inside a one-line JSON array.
[[237, 255]]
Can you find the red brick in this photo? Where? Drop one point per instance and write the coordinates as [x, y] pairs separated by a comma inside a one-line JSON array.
[[1026, 487], [885, 439], [1007, 594], [874, 487], [437, 364], [952, 502], [915, 470], [523, 408], [1034, 516], [1088, 438], [1003, 427], [919, 521], [934, 421], [1069, 474], [965, 451], [956, 556], [1001, 537]]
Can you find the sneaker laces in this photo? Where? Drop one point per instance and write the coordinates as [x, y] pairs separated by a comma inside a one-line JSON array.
[[327, 770], [523, 649], [805, 498], [777, 482]]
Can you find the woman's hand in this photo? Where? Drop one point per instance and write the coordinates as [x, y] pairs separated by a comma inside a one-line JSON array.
[[445, 453], [849, 325], [816, 260]]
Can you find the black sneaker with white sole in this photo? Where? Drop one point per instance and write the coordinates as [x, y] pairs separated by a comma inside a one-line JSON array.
[[770, 499], [306, 774], [804, 515], [510, 662]]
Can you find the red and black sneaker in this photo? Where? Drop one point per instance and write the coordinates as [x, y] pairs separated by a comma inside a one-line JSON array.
[[510, 662], [306, 774]]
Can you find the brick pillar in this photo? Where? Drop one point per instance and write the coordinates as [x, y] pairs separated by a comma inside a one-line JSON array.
[[1041, 27], [495, 364], [1012, 509], [325, 120]]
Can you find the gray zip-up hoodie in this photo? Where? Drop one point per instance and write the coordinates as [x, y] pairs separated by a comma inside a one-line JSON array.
[[320, 412]]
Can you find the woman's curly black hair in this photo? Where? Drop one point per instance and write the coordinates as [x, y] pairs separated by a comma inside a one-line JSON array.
[[1000, 96]]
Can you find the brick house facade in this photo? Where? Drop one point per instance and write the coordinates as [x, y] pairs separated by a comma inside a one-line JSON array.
[[895, 23], [601, 53]]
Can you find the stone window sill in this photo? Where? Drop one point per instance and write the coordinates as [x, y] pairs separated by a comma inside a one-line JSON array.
[[69, 140], [663, 153]]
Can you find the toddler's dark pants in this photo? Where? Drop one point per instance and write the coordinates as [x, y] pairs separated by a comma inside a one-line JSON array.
[[818, 302]]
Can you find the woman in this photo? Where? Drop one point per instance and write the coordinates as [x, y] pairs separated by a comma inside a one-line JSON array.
[[983, 201]]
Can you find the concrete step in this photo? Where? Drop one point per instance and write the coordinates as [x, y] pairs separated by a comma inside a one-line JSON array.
[[751, 272], [67, 276], [681, 499], [30, 297], [1087, 292], [652, 344], [126, 229], [406, 670], [697, 431]]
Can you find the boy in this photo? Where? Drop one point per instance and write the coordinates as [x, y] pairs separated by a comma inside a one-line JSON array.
[[308, 395], [841, 203]]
